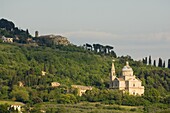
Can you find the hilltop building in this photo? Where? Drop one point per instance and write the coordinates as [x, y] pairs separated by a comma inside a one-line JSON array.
[[54, 39], [7, 39], [127, 82], [36, 33]]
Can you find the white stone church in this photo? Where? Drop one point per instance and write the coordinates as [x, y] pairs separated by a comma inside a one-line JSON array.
[[127, 82]]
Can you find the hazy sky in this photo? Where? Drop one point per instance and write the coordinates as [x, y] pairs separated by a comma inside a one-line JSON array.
[[137, 28]]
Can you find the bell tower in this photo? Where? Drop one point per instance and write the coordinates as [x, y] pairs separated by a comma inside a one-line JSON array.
[[36, 33], [112, 74]]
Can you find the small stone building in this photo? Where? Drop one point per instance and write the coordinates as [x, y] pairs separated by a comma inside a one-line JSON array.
[[127, 82], [81, 89], [17, 107], [7, 39], [43, 73], [20, 84], [55, 84]]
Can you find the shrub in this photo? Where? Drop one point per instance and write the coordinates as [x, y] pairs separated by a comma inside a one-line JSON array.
[[133, 109]]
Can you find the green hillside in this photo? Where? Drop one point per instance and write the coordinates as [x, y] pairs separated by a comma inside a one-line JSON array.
[[67, 65], [73, 65]]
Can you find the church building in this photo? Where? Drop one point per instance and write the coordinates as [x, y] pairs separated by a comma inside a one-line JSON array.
[[127, 82]]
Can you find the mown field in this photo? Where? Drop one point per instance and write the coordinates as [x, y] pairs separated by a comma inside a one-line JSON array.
[[86, 107]]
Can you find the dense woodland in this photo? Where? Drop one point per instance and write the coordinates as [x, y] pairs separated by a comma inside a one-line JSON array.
[[70, 65], [73, 65]]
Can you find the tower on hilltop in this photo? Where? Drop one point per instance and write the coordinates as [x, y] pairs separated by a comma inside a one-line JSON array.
[[36, 33]]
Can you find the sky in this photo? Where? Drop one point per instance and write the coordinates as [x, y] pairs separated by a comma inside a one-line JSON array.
[[138, 28]]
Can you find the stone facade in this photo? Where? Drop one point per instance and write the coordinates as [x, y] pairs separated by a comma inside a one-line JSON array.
[[56, 39], [81, 89], [127, 82], [16, 108], [43, 73], [7, 39], [55, 84], [20, 84]]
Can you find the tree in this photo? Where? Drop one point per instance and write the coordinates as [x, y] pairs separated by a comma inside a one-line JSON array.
[[51, 69], [150, 60], [168, 63], [3, 60], [4, 92], [20, 94], [113, 54], [67, 99], [92, 95], [108, 49], [4, 108], [154, 63], [99, 47], [88, 47], [37, 100], [144, 60], [160, 62], [152, 95], [45, 69], [27, 32], [163, 64], [95, 47], [8, 25]]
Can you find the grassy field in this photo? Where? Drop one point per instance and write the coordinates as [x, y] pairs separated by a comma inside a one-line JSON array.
[[86, 107]]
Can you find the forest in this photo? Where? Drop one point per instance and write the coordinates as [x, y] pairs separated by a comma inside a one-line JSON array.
[[75, 65]]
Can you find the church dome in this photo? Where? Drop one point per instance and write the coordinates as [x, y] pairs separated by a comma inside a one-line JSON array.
[[127, 67], [127, 70]]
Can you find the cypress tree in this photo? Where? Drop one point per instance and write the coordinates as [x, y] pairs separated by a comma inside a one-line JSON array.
[[160, 62], [45, 68], [154, 63], [150, 60], [27, 32], [163, 64], [146, 60], [143, 60], [168, 63]]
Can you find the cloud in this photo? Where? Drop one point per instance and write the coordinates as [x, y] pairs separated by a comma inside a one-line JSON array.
[[81, 37], [105, 37], [90, 34], [99, 34]]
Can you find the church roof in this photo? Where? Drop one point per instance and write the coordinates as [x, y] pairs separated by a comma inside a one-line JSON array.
[[82, 87], [120, 79], [127, 67], [135, 79]]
